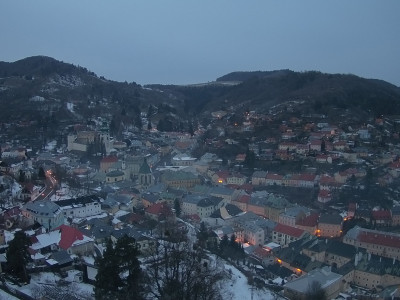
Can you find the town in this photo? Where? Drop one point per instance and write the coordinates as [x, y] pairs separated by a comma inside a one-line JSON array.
[[306, 197]]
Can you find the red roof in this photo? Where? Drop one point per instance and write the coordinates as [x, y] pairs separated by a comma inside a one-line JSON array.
[[274, 176], [288, 230], [381, 215], [109, 159], [69, 235], [377, 238], [244, 199], [309, 221], [160, 208], [324, 193], [261, 253]]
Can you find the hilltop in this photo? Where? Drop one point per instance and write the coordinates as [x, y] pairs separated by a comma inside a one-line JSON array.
[[39, 86]]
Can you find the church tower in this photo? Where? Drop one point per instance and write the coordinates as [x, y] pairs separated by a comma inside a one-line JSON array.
[[145, 175]]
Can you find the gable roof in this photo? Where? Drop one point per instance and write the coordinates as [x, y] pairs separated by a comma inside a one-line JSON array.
[[288, 230], [70, 236]]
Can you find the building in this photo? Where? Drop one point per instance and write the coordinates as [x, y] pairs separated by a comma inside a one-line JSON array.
[[115, 176], [283, 234], [259, 178], [145, 175], [46, 213], [108, 163], [376, 242], [80, 207], [63, 237], [329, 281], [179, 179], [330, 225]]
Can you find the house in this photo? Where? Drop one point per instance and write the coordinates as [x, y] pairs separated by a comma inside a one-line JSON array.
[[179, 179], [115, 176], [206, 206], [145, 244], [80, 207], [63, 237], [46, 213], [250, 233], [273, 179], [160, 212], [108, 163], [284, 234], [324, 196], [396, 215], [293, 214], [259, 178], [242, 201], [329, 281], [373, 271], [330, 225], [263, 256], [183, 160], [381, 217], [308, 223], [376, 242]]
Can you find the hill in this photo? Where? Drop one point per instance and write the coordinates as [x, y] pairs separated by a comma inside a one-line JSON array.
[[261, 90], [42, 88]]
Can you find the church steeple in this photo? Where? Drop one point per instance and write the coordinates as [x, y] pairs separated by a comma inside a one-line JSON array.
[[145, 174]]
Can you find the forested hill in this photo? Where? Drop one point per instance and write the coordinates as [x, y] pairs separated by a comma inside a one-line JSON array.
[[55, 83], [261, 90]]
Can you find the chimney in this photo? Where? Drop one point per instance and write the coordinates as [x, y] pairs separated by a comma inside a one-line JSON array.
[[394, 260], [356, 260], [369, 256]]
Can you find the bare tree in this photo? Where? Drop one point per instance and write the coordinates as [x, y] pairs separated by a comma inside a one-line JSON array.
[[175, 271], [315, 291]]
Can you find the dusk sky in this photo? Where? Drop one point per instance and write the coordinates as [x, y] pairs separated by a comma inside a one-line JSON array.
[[187, 41]]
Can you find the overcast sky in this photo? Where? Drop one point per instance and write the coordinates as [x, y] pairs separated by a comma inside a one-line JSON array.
[[193, 41]]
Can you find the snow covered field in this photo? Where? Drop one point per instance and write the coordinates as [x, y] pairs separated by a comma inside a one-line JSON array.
[[240, 290]]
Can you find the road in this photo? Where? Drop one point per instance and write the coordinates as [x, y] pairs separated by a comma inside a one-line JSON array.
[[50, 187]]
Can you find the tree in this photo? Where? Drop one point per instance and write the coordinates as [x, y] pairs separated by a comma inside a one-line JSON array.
[[175, 271], [21, 177], [107, 281], [18, 256], [41, 173], [119, 274], [177, 207], [250, 159], [315, 291]]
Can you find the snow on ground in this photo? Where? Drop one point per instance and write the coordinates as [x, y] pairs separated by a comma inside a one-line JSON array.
[[70, 106], [50, 280], [51, 145], [239, 289]]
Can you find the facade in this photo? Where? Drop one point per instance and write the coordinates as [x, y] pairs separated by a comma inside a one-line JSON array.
[[115, 176], [329, 281], [376, 242], [179, 179], [46, 213], [283, 234], [330, 225], [81, 207], [107, 163]]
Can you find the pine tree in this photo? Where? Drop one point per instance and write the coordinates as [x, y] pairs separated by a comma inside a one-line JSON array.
[[18, 256], [119, 274], [177, 207], [108, 281], [127, 253]]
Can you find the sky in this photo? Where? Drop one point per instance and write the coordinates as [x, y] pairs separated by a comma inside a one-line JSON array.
[[188, 41]]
